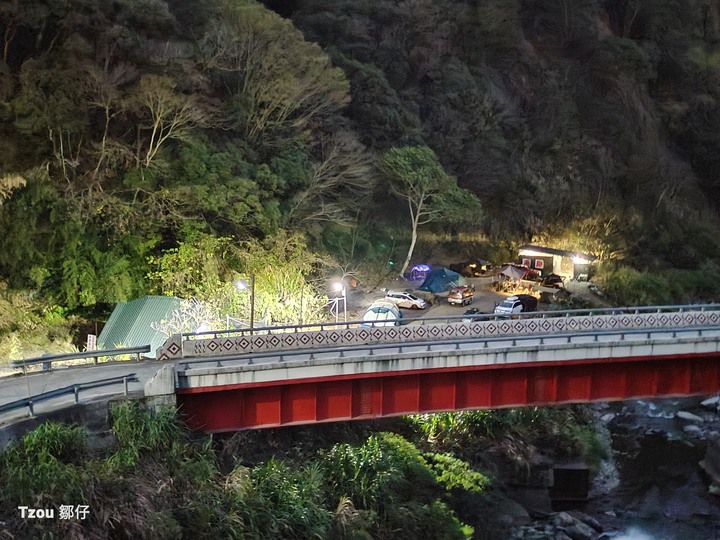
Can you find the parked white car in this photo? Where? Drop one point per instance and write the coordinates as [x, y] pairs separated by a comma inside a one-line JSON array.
[[405, 300], [512, 305]]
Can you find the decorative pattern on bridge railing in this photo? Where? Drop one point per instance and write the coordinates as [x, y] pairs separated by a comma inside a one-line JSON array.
[[174, 347]]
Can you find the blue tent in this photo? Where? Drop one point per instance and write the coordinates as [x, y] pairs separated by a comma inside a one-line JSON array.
[[441, 279]]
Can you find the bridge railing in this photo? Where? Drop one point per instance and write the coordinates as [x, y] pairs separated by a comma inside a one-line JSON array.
[[75, 389], [457, 344], [353, 333], [48, 359], [326, 326]]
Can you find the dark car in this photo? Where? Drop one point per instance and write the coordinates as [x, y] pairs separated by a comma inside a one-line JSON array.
[[472, 314], [553, 280]]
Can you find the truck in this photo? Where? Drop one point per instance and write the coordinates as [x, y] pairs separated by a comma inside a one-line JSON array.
[[461, 296], [512, 305]]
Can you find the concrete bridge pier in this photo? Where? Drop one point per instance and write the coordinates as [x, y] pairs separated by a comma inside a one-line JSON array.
[[160, 389]]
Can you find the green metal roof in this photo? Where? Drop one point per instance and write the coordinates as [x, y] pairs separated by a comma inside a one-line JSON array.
[[129, 323]]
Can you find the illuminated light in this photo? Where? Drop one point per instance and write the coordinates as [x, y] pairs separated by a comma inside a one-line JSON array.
[[531, 253], [240, 285], [204, 327], [391, 263], [337, 286], [579, 260], [419, 267]]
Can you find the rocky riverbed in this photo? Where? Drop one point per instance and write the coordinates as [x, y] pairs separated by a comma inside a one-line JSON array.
[[659, 483]]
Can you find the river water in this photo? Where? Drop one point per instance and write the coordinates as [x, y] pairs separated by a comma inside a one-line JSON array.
[[659, 491], [652, 488]]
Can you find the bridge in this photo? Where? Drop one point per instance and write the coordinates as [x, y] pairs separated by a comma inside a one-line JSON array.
[[227, 381]]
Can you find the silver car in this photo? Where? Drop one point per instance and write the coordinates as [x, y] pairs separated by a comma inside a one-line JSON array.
[[405, 300]]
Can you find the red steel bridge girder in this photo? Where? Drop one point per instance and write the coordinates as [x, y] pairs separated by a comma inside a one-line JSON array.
[[385, 394]]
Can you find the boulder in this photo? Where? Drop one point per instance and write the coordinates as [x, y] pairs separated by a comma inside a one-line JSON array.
[[580, 531], [711, 465], [689, 416], [587, 520], [711, 403], [509, 513], [573, 526], [564, 519], [651, 507], [610, 513]]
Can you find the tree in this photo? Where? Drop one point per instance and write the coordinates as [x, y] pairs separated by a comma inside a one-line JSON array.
[[338, 185], [104, 86], [275, 93], [431, 194], [8, 183], [281, 266], [205, 268], [169, 115], [192, 315]]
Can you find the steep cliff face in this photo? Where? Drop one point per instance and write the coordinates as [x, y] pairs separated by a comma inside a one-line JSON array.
[[133, 125], [550, 112]]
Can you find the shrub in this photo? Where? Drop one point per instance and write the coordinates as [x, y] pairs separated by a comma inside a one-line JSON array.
[[274, 500], [455, 473], [40, 468], [628, 287], [395, 488], [137, 429]]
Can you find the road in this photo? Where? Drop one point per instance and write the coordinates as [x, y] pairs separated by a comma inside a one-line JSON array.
[[17, 387], [485, 300]]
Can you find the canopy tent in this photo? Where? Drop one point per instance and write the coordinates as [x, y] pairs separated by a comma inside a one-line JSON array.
[[419, 271], [513, 272], [441, 279]]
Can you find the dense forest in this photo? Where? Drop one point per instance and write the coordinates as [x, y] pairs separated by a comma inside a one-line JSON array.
[[421, 477], [174, 146], [135, 129]]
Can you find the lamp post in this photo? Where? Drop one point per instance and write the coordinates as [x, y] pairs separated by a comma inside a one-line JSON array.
[[340, 287], [302, 298], [241, 286]]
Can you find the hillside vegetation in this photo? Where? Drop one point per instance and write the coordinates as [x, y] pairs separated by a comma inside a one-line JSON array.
[[134, 129], [420, 478]]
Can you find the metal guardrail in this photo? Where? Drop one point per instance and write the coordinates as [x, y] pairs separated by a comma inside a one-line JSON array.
[[29, 402], [513, 339], [47, 360], [454, 319]]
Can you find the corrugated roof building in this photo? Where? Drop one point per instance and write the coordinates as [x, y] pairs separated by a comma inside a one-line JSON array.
[[570, 264], [129, 323]]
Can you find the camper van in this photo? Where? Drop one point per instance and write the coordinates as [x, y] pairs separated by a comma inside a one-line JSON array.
[[461, 296], [382, 313]]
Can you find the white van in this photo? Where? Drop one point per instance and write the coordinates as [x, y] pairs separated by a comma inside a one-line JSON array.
[[382, 313]]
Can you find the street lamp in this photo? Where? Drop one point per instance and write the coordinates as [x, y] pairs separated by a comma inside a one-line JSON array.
[[302, 298], [339, 287], [241, 285]]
